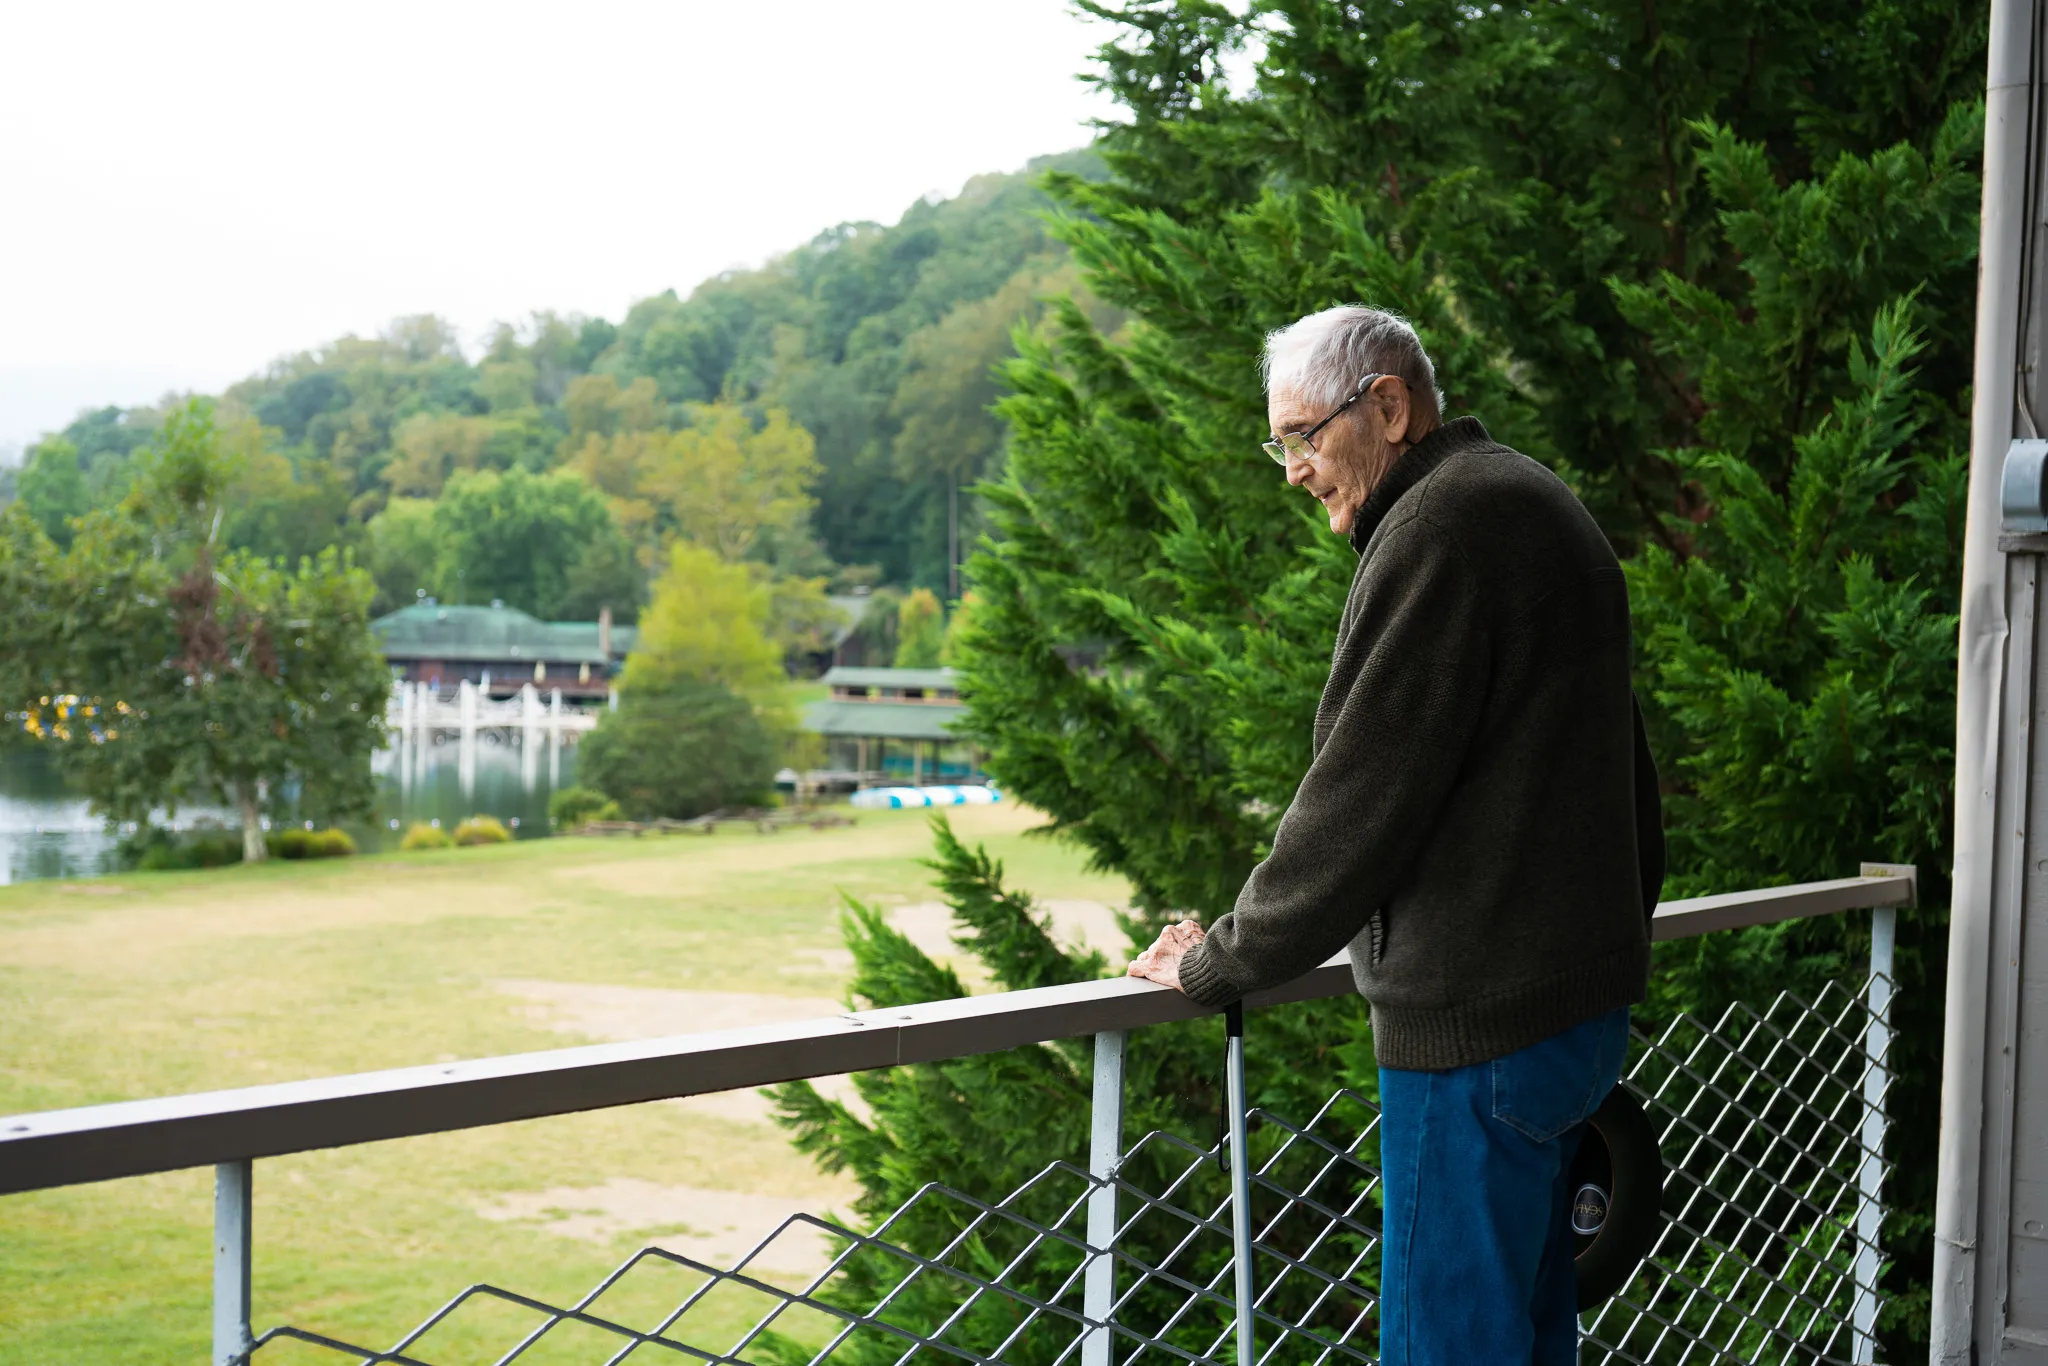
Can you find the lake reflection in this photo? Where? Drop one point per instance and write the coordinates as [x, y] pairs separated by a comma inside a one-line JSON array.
[[46, 830]]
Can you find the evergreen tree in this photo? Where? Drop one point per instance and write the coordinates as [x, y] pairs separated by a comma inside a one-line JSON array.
[[1645, 246], [985, 1125], [1138, 527], [1522, 157], [1802, 654]]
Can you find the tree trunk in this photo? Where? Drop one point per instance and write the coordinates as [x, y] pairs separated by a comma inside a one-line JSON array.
[[254, 850]]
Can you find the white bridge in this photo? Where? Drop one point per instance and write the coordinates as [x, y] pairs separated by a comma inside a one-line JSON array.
[[421, 719], [418, 712]]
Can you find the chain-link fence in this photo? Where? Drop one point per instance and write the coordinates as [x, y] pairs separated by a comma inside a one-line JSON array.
[[1770, 1121]]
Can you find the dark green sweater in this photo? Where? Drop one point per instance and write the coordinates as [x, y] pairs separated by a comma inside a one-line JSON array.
[[1480, 823]]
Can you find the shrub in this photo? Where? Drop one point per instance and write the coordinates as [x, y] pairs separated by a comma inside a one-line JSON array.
[[424, 836], [156, 849], [482, 830], [332, 843], [291, 842], [680, 750], [159, 858], [298, 843], [575, 806]]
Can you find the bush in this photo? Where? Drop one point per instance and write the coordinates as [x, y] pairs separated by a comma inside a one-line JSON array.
[[156, 849], [576, 806], [482, 830], [332, 843], [295, 843], [680, 750], [424, 836]]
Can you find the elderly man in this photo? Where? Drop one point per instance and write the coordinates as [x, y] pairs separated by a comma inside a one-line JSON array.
[[1479, 825]]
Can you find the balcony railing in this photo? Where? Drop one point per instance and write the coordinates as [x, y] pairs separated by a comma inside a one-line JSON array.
[[1771, 1118]]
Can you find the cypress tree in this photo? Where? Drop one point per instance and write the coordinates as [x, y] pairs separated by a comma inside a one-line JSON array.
[[1801, 652], [986, 1125], [1712, 265]]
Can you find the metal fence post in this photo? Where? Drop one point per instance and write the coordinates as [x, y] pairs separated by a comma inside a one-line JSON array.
[[1877, 1042], [1105, 1150], [1240, 1183], [232, 1206]]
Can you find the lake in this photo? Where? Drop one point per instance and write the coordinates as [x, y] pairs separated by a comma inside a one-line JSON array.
[[46, 830]]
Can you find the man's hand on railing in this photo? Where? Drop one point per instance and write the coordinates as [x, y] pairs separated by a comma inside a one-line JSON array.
[[1161, 962]]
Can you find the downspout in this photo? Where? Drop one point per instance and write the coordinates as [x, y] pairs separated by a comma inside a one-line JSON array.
[[1980, 668]]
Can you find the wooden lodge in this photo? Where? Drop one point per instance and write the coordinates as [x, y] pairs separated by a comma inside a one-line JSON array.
[[501, 648], [892, 725]]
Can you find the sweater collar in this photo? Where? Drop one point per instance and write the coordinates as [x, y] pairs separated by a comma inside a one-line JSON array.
[[1459, 434]]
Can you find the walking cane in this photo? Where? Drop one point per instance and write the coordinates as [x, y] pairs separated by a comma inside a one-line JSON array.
[[1240, 1179]]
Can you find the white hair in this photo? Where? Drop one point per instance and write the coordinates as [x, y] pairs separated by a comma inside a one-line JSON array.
[[1322, 357]]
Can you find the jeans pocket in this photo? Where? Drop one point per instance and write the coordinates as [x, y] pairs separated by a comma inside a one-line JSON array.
[[1543, 1090]]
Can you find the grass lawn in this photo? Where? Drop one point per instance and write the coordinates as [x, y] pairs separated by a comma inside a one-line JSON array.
[[154, 984]]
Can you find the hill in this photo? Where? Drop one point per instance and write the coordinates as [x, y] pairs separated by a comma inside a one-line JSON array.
[[876, 341]]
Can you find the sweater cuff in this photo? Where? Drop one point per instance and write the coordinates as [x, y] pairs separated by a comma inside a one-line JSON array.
[[1202, 979]]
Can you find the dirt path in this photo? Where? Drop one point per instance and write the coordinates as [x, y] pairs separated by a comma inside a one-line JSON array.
[[716, 1228]]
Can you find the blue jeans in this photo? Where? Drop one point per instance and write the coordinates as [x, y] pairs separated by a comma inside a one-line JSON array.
[[1476, 1264]]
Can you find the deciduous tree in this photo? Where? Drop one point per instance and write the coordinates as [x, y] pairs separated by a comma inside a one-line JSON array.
[[403, 552], [529, 540], [720, 480], [920, 630], [680, 750], [708, 622], [165, 670], [51, 488]]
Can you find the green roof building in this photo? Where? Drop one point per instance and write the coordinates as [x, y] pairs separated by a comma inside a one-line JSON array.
[[501, 648], [889, 724]]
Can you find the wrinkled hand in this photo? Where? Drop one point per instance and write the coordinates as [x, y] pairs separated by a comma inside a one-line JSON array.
[[1161, 962]]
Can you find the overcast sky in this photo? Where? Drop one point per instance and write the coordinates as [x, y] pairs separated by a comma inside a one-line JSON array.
[[188, 191]]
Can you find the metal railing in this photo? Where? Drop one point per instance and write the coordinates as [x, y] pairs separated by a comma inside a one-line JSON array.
[[1258, 1248]]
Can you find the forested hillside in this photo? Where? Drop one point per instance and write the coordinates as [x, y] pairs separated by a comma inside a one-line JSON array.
[[814, 417]]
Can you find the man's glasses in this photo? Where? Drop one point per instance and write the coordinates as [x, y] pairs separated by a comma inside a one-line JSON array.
[[1300, 445]]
